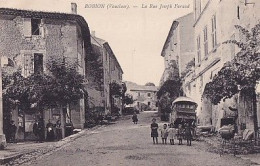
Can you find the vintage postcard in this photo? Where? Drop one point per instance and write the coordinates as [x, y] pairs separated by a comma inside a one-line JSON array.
[[130, 82]]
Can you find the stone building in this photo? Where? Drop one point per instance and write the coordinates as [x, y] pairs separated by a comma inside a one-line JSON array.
[[112, 72], [144, 97], [29, 39], [214, 24], [178, 48]]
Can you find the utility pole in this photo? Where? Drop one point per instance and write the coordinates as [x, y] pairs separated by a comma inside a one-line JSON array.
[[2, 136]]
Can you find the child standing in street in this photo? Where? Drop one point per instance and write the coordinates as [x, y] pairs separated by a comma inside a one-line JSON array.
[[188, 134], [154, 131], [164, 134], [180, 134], [134, 118], [172, 133]]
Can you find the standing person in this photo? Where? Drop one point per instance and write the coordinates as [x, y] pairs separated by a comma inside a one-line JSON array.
[[58, 130], [50, 131], [180, 134], [154, 131], [188, 134], [35, 130], [172, 133], [164, 134], [12, 131], [41, 130], [134, 118]]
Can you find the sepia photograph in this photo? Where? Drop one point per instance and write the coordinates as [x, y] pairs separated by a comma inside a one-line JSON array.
[[129, 82]]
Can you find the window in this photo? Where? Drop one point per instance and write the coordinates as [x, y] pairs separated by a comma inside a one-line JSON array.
[[238, 12], [119, 75], [28, 65], [205, 31], [197, 8], [198, 50], [214, 32], [201, 82], [38, 63], [36, 26], [149, 94], [113, 66], [138, 93], [79, 58], [149, 103]]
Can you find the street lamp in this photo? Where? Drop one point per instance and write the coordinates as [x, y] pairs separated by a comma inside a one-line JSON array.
[[2, 136]]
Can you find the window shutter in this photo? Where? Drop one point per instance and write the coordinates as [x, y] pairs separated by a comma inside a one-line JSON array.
[[27, 26], [42, 30], [28, 68]]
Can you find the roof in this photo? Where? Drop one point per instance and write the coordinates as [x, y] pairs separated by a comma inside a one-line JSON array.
[[38, 14], [102, 43], [97, 41], [173, 27], [183, 99], [135, 87], [51, 15]]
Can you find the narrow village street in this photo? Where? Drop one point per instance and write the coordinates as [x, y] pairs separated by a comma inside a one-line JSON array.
[[125, 144]]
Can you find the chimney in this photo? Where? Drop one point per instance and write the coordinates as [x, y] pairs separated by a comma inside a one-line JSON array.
[[73, 8], [93, 33]]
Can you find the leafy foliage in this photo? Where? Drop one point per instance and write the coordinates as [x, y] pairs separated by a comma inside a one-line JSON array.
[[240, 74], [116, 89], [67, 84], [61, 86], [128, 99], [189, 66], [170, 89], [95, 67]]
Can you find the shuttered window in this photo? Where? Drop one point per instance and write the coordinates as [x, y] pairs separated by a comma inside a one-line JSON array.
[[38, 63], [214, 31], [27, 27], [205, 31], [28, 65], [198, 50]]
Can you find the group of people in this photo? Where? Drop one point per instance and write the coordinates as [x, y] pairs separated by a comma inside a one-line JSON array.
[[53, 130], [181, 132]]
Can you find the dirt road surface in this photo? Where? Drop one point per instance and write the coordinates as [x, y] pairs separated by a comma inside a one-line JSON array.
[[127, 144]]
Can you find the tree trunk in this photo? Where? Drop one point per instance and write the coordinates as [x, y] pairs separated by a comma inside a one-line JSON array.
[[254, 107], [63, 120]]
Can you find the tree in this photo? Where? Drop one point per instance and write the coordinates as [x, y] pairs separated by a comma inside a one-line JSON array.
[[169, 91], [116, 91], [95, 67], [67, 83], [189, 67], [128, 99], [62, 85], [172, 87], [242, 73]]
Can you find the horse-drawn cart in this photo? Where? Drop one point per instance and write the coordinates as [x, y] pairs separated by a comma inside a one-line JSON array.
[[183, 112]]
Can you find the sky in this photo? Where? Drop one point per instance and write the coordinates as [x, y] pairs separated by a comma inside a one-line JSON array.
[[136, 35]]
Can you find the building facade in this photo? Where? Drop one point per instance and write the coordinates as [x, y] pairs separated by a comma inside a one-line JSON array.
[[112, 72], [29, 40], [214, 23], [178, 48], [144, 97]]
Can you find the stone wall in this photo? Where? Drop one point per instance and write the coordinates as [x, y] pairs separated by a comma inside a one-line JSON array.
[[58, 39]]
